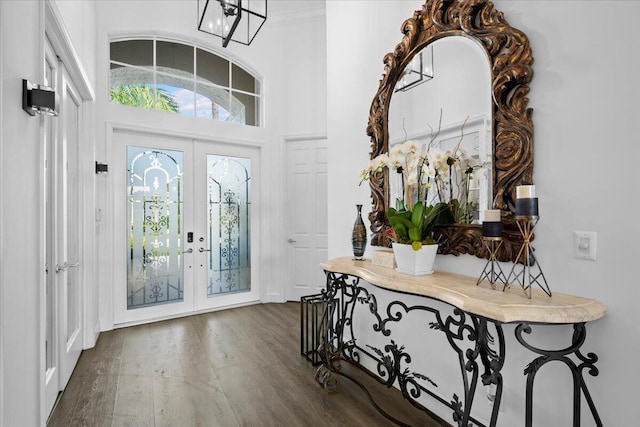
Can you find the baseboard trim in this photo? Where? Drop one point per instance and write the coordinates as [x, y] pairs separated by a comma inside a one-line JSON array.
[[178, 316]]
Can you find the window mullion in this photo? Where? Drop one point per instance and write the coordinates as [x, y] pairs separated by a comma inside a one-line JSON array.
[[155, 79], [195, 79]]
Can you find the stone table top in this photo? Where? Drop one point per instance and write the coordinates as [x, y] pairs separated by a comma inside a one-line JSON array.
[[461, 291]]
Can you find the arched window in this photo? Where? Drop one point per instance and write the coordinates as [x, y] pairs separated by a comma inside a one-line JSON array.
[[182, 78]]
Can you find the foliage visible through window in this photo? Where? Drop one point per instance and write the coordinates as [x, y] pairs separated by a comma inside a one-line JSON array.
[[184, 79], [143, 96]]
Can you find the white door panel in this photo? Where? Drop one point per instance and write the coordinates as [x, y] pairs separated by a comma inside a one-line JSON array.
[[68, 263], [306, 201]]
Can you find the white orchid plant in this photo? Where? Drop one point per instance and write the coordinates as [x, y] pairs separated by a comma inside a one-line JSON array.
[[435, 182]]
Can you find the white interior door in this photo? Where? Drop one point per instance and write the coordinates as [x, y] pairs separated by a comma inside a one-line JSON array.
[[63, 290], [69, 255], [306, 200], [188, 217]]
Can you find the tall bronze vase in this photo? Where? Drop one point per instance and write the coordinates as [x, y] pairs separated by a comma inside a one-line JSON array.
[[359, 236]]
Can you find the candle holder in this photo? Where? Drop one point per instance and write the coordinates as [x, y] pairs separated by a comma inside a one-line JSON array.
[[529, 273], [492, 270]]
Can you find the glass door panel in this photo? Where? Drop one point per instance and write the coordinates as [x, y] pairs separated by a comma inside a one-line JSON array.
[[228, 226], [153, 218], [155, 226]]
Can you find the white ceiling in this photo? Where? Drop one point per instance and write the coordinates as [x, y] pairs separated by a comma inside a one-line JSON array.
[[286, 6]]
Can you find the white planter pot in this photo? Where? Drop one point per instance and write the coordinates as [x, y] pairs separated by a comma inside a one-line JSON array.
[[413, 262]]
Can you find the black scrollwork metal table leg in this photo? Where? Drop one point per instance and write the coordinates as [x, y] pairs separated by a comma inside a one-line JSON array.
[[579, 386], [492, 359], [330, 338], [328, 356], [478, 343]]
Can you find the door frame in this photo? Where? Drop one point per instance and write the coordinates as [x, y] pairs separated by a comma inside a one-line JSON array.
[[112, 276], [50, 135]]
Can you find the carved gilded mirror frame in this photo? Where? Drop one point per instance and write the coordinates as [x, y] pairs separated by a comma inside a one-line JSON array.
[[510, 58]]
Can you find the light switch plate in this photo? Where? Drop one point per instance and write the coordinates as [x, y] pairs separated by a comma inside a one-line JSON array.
[[585, 245]]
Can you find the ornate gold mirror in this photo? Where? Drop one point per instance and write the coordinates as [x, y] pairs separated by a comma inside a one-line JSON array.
[[506, 128]]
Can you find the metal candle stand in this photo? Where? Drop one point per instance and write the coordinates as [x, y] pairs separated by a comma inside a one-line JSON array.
[[529, 273], [492, 270]]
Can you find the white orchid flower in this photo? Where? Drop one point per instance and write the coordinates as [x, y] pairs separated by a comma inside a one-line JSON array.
[[380, 162], [429, 170], [395, 161], [411, 146], [397, 150]]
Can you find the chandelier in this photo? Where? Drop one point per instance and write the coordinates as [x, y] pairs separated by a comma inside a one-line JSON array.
[[232, 20], [418, 71]]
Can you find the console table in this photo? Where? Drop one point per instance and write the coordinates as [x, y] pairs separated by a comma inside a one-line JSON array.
[[473, 329]]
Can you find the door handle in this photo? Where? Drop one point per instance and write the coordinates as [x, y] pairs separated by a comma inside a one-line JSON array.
[[64, 266], [291, 240], [204, 250], [188, 251]]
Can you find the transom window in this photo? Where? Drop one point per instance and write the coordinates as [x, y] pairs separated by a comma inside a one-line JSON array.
[[184, 79]]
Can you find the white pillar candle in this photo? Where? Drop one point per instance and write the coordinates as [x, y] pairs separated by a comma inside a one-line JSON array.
[[492, 215], [525, 192]]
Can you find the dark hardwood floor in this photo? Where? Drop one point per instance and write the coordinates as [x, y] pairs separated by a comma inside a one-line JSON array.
[[238, 367]]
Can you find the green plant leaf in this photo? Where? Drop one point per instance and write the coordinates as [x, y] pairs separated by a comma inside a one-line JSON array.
[[416, 246], [416, 215], [440, 214], [400, 219], [414, 235], [409, 225], [401, 230]]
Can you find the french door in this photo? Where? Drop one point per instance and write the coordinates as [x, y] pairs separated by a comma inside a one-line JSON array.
[[189, 226], [63, 287]]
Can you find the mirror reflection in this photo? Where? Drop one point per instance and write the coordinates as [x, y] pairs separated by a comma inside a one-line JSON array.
[[440, 120]]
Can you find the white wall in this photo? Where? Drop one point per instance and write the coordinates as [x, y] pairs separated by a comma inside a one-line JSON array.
[[22, 269], [585, 102], [22, 207], [80, 20]]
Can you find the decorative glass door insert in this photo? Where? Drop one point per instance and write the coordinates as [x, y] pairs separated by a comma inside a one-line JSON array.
[[155, 226], [228, 225], [188, 224]]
